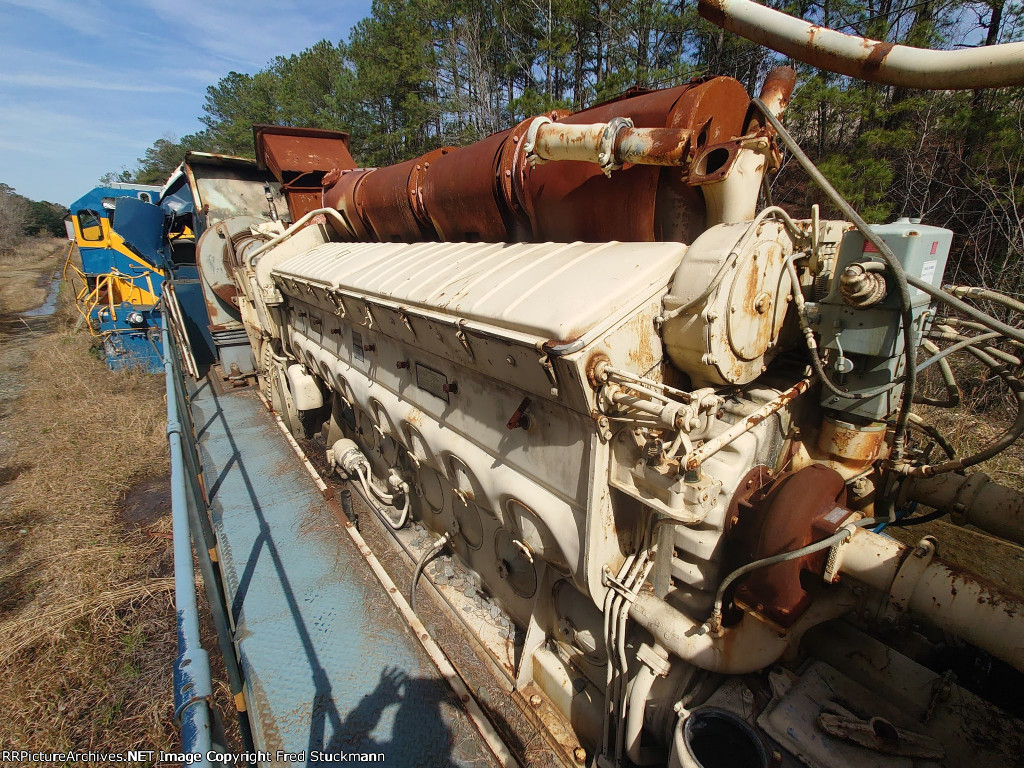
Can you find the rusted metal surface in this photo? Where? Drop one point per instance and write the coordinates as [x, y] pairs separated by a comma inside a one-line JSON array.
[[462, 193], [342, 196], [490, 191], [576, 201], [391, 200], [654, 146], [849, 444], [778, 89], [300, 158], [798, 509]]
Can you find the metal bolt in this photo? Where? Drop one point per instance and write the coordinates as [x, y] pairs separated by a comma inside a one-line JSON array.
[[579, 754], [402, 364], [535, 700], [511, 361]]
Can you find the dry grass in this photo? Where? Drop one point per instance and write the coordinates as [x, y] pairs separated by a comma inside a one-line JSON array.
[[985, 413], [25, 273], [87, 623]]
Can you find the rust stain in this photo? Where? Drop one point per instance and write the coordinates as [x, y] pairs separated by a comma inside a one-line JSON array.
[[642, 356], [876, 56], [713, 11]]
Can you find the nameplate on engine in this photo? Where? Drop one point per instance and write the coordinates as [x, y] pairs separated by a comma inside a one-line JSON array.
[[432, 381]]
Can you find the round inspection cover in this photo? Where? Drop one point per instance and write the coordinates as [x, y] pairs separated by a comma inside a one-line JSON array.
[[433, 491], [463, 478], [417, 445], [569, 604], [470, 527], [754, 299], [513, 564]]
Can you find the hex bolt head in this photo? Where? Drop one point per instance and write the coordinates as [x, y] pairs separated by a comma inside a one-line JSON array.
[[535, 700], [579, 755]]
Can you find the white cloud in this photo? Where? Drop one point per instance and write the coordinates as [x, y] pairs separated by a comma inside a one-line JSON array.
[[73, 82]]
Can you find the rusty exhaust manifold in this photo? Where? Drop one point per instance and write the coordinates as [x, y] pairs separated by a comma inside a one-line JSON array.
[[546, 178]]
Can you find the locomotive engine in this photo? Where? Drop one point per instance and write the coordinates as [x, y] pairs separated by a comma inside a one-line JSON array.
[[659, 421]]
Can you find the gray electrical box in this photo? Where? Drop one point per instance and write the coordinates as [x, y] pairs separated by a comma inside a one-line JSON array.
[[867, 343]]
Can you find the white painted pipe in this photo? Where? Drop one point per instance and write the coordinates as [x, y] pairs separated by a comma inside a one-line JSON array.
[[993, 66], [958, 602], [746, 647]]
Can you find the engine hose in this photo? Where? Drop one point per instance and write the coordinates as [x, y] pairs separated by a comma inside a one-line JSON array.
[[347, 508], [371, 494], [1010, 436], [429, 555], [899, 274], [964, 308], [948, 333], [958, 322], [928, 429], [971, 292], [953, 396]]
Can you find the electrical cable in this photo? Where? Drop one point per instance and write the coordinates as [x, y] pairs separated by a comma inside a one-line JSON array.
[[975, 314], [435, 548]]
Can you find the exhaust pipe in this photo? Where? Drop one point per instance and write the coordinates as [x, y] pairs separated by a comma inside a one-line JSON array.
[[992, 66]]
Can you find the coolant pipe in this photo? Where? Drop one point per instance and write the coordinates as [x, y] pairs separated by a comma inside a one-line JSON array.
[[746, 647], [193, 689], [992, 66], [250, 256], [973, 500], [638, 694], [610, 145], [956, 601]]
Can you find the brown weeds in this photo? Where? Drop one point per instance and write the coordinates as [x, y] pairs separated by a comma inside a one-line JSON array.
[[25, 272], [87, 623]]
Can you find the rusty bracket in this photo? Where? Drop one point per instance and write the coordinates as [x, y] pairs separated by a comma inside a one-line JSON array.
[[339, 306], [460, 334], [549, 370], [403, 315]]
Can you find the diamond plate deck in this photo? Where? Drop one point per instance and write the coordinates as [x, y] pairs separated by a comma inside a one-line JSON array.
[[328, 661]]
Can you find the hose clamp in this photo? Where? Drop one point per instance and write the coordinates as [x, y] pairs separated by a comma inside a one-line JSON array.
[[531, 140]]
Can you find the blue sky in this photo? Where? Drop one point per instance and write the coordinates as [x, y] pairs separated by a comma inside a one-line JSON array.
[[87, 85]]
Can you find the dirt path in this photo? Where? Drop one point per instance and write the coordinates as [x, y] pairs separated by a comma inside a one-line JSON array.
[[26, 276]]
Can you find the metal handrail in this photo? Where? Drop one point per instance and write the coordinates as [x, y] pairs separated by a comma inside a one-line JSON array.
[[196, 526], [193, 688]]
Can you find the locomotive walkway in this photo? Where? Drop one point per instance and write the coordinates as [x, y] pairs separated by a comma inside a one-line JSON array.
[[329, 664]]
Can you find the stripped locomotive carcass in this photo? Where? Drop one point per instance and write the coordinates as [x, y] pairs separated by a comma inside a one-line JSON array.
[[661, 425]]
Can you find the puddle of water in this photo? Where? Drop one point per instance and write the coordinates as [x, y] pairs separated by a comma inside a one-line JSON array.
[[49, 306]]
